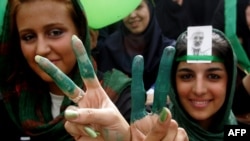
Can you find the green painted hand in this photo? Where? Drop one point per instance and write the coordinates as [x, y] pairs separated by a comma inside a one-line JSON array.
[[162, 85], [93, 118], [157, 125]]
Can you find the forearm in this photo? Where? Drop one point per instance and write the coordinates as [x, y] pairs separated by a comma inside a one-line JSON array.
[[246, 83]]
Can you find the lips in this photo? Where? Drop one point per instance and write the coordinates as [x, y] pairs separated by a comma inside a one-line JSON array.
[[200, 103], [134, 24], [54, 61]]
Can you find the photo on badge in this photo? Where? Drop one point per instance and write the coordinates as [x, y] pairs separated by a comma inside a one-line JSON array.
[[199, 44]]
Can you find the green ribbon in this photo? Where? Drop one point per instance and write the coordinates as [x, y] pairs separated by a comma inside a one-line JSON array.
[[199, 57], [230, 31]]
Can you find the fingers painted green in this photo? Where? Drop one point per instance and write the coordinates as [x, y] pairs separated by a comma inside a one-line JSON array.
[[85, 66], [162, 86], [163, 81], [62, 80], [138, 93]]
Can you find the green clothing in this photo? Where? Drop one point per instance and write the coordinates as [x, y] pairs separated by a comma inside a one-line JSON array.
[[223, 117], [25, 102]]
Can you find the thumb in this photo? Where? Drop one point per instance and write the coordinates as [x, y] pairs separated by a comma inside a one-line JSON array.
[[159, 130]]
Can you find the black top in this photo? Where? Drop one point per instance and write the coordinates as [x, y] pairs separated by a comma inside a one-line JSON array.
[[114, 52]]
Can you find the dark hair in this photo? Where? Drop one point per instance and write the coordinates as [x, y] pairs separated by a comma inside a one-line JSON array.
[[18, 67], [221, 48]]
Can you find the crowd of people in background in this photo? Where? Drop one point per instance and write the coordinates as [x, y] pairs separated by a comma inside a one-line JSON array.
[[61, 80], [174, 16]]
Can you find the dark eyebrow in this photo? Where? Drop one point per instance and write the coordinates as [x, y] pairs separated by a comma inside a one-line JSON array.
[[53, 24], [45, 27], [184, 70], [208, 70], [215, 69]]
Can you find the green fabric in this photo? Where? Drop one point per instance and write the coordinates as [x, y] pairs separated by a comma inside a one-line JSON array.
[[194, 131], [31, 110], [3, 4], [116, 81], [201, 57], [230, 31], [28, 102], [4, 27]]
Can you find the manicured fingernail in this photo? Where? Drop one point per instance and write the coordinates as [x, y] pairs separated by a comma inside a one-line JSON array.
[[74, 37], [37, 58], [91, 132], [71, 114], [163, 115], [77, 43]]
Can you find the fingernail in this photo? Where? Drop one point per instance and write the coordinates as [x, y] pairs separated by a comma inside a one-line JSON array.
[[71, 114], [74, 37], [38, 58], [90, 132], [163, 115]]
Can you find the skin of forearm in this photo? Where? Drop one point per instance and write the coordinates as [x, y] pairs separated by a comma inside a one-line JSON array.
[[246, 83]]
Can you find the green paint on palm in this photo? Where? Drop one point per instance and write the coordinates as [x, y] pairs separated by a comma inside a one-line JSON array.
[[138, 92], [107, 137], [163, 81], [62, 80], [85, 66]]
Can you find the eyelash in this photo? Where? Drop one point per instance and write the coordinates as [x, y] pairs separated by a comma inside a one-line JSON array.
[[214, 76], [27, 37], [54, 33], [189, 76], [56, 30]]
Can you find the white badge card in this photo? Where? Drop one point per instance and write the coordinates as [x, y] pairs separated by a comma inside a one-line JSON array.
[[199, 43]]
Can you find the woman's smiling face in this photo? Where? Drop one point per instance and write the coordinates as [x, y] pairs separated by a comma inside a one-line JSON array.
[[138, 20], [201, 88], [48, 35]]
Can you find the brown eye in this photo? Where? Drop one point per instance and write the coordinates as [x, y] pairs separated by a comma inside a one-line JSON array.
[[213, 76], [55, 33], [27, 37], [186, 76]]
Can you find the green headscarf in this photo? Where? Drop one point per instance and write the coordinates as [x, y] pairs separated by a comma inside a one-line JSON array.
[[224, 116], [26, 96], [3, 4]]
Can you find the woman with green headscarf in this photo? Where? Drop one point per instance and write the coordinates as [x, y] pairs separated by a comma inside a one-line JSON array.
[[202, 93], [45, 68], [201, 87], [32, 105]]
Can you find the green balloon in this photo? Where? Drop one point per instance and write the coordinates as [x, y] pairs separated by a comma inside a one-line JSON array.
[[101, 13]]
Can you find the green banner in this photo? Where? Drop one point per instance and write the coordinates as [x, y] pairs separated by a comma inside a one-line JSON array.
[[230, 31], [3, 4]]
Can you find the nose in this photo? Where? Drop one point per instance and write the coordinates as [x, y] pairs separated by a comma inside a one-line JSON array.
[[42, 47], [199, 86], [133, 14]]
